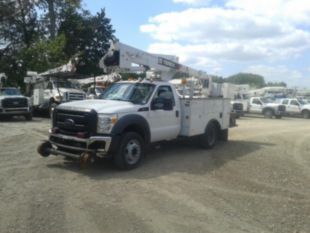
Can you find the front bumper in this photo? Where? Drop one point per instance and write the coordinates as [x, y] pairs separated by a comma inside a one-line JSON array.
[[15, 111], [74, 147], [279, 113]]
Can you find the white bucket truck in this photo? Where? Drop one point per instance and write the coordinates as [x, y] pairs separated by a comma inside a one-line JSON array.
[[133, 114], [53, 87]]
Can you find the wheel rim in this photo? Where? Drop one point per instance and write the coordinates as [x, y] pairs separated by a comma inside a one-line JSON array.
[[132, 151]]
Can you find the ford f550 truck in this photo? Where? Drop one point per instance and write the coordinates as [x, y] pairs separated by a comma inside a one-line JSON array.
[[297, 107], [262, 105], [133, 114], [13, 103]]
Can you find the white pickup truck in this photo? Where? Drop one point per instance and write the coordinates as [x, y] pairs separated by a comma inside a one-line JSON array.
[[296, 107], [265, 106], [130, 116], [13, 103]]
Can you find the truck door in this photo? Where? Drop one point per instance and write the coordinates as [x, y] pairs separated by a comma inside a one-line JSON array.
[[256, 105], [164, 116], [48, 91], [287, 108], [294, 107]]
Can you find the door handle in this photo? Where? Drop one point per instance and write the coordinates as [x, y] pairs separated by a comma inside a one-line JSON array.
[[177, 114]]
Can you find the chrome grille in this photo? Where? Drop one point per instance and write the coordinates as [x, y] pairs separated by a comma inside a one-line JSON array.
[[72, 122], [75, 96]]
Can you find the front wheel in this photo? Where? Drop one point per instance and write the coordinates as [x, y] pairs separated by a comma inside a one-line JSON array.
[[28, 117], [209, 138], [268, 113], [130, 153]]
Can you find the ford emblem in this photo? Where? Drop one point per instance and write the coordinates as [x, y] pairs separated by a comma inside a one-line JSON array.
[[69, 123]]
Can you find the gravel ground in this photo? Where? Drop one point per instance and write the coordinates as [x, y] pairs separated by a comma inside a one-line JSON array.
[[256, 182]]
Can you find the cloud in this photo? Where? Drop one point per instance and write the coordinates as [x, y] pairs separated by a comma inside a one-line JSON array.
[[242, 31]]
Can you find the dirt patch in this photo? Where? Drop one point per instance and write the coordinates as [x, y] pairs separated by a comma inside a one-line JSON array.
[[256, 182]]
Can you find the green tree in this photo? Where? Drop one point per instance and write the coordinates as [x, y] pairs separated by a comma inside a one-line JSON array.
[[253, 80], [52, 13], [87, 36]]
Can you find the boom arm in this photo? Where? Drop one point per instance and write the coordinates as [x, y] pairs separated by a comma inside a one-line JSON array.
[[124, 58]]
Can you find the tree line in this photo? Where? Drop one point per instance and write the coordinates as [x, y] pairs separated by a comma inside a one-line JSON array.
[[254, 80], [42, 34]]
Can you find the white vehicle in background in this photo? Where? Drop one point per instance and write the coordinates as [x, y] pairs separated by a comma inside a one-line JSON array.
[[13, 103], [52, 88], [133, 114], [265, 106], [239, 97], [296, 107]]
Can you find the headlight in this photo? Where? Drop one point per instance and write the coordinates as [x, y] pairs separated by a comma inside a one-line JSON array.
[[58, 98], [29, 102], [106, 123]]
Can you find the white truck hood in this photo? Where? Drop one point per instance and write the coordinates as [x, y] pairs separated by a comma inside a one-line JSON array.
[[11, 96], [102, 106], [71, 90], [306, 106], [272, 105]]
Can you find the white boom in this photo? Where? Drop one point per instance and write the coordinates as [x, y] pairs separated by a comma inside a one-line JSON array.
[[124, 58]]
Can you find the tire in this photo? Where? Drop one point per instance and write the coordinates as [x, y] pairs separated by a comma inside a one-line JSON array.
[[28, 117], [306, 114], [209, 138], [130, 152], [51, 108], [278, 116], [224, 135], [268, 113]]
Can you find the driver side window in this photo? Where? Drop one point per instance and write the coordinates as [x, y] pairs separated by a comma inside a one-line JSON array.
[[294, 102], [256, 101], [163, 99]]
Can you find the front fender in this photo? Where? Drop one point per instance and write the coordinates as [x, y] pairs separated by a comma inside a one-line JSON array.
[[134, 121]]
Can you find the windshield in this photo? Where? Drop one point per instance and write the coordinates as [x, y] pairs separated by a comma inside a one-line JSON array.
[[267, 100], [303, 102], [137, 93], [9, 91], [63, 84]]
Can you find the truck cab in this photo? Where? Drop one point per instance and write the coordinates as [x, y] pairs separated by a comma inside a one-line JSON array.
[[13, 103], [265, 106], [297, 107], [50, 92]]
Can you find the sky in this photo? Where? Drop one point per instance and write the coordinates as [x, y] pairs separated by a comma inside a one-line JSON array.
[[221, 37]]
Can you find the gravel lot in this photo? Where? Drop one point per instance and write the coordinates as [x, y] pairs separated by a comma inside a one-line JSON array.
[[256, 182]]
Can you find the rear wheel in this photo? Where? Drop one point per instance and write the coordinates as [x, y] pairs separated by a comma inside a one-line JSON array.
[[209, 138], [306, 114], [224, 135], [130, 153]]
